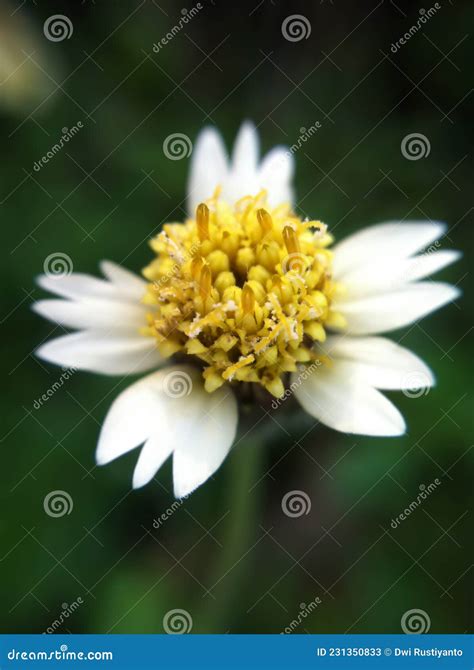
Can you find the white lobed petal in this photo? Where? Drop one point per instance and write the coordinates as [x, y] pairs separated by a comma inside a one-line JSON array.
[[243, 176], [205, 429], [276, 175], [209, 166], [378, 362], [388, 311], [384, 241], [78, 285], [386, 274], [109, 315], [156, 450], [135, 415], [347, 404], [93, 313], [171, 413], [97, 351], [128, 283], [246, 149]]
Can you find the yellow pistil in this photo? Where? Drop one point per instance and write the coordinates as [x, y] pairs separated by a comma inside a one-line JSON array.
[[246, 289], [248, 299], [265, 220], [205, 282], [202, 220], [291, 241], [196, 267]]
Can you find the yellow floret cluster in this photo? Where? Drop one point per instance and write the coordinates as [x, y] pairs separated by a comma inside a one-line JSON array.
[[245, 288]]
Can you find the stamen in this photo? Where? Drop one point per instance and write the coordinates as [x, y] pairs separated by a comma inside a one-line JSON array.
[[202, 220], [248, 299], [265, 220], [291, 241], [243, 361], [196, 267], [205, 281]]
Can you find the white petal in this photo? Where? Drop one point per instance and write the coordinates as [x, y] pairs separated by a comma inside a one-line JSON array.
[[246, 149], [242, 177], [209, 165], [78, 285], [388, 311], [347, 404], [110, 315], [379, 362], [385, 274], [205, 431], [276, 174], [385, 240], [135, 415], [427, 264], [116, 354], [171, 412], [129, 284], [152, 456], [210, 168]]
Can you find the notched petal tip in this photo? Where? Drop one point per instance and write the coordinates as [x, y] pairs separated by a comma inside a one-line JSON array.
[[100, 459], [138, 481], [399, 427], [40, 279], [182, 492], [44, 352], [43, 308]]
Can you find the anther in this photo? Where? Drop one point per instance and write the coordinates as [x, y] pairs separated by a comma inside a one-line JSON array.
[[202, 219], [265, 220], [291, 241], [248, 299], [196, 267]]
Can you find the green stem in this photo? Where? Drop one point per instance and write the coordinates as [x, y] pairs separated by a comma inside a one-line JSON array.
[[241, 524]]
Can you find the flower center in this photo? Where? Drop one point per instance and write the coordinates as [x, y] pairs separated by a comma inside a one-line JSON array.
[[245, 288]]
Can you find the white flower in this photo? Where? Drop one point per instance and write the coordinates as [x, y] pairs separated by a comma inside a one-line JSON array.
[[247, 291]]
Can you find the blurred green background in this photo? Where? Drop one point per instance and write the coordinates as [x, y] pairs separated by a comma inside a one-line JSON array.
[[228, 555]]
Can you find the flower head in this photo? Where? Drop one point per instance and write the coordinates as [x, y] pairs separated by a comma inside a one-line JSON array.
[[243, 287], [245, 292]]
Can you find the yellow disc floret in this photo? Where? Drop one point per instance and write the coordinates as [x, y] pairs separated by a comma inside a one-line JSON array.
[[244, 288]]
